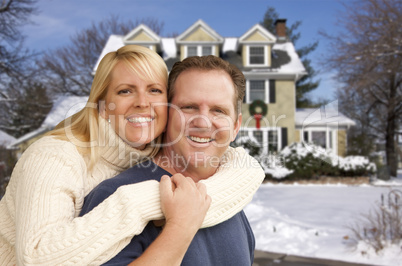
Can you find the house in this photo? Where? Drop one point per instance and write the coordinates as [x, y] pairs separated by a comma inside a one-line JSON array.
[[271, 67]]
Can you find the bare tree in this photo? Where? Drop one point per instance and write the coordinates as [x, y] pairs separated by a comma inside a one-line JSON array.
[[13, 15], [367, 57], [68, 69]]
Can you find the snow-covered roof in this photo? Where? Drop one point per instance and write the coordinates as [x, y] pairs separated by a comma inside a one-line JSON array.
[[230, 44], [6, 139], [63, 107], [169, 48], [295, 65], [318, 117], [113, 43]]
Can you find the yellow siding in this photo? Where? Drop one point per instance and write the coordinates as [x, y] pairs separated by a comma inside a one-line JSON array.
[[256, 37], [141, 37], [297, 135], [342, 142], [216, 50], [280, 114], [199, 35]]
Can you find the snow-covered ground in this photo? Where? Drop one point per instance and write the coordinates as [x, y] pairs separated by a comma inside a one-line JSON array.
[[313, 220]]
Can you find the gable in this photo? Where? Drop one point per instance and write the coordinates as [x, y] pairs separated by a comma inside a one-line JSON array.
[[257, 36], [140, 37], [258, 33], [141, 34], [200, 34]]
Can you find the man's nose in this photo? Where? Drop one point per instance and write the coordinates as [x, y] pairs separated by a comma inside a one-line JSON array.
[[201, 121]]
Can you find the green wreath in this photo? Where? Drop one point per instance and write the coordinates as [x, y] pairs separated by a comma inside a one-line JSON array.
[[258, 107]]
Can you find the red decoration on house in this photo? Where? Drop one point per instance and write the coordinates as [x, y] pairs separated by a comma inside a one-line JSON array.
[[257, 118]]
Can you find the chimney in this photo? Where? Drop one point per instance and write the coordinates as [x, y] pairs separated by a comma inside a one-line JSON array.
[[280, 26]]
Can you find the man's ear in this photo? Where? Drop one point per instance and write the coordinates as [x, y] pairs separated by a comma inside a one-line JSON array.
[[237, 126]]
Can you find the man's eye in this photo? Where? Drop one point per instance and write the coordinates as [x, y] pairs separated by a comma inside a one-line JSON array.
[[220, 111]]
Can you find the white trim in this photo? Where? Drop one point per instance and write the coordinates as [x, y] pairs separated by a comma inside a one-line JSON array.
[[199, 49], [262, 30], [265, 64], [266, 92], [147, 30], [265, 140], [334, 139], [203, 25]]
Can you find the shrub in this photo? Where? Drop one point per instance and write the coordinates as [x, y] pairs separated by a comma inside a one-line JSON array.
[[382, 226], [306, 161]]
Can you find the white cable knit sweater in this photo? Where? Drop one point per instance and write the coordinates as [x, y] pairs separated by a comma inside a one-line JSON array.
[[38, 214]]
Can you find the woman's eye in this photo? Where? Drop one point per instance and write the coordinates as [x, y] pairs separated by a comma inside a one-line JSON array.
[[123, 91], [156, 91]]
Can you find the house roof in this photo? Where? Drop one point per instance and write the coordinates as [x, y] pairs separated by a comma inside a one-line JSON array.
[[327, 116], [285, 61], [63, 107]]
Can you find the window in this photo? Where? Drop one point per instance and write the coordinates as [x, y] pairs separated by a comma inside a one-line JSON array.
[[191, 51], [257, 90], [319, 138], [273, 140], [260, 89], [199, 50], [206, 50], [257, 55], [325, 138], [268, 138]]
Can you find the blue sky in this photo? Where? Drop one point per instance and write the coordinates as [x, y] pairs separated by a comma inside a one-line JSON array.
[[58, 20]]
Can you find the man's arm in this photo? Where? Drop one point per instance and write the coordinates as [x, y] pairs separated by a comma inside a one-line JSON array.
[[185, 208]]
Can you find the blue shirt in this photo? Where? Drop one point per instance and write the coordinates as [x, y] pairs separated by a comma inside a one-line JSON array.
[[228, 243]]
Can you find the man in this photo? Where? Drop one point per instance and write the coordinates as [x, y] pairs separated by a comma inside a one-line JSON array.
[[204, 117]]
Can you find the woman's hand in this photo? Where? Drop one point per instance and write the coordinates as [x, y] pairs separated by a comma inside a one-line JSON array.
[[183, 202]]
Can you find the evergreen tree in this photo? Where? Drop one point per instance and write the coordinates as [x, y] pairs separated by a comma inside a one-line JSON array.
[[307, 83]]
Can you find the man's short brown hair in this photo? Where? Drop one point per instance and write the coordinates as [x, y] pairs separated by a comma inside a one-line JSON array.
[[210, 62]]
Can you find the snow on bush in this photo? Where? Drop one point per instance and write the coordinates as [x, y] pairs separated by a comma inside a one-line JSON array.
[[306, 160]]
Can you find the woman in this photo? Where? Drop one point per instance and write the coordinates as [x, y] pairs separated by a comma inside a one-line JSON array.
[[38, 214]]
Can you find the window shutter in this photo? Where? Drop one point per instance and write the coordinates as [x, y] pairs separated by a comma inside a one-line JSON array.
[[284, 135], [272, 91]]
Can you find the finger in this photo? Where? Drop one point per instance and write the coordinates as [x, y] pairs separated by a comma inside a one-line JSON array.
[[165, 186], [177, 179], [202, 188]]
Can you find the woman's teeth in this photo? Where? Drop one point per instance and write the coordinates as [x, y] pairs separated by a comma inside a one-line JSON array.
[[140, 119]]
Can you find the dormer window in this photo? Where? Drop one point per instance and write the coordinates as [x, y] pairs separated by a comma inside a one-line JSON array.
[[257, 56], [199, 50]]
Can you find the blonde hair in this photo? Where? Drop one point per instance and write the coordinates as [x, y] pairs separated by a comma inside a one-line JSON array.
[[82, 128]]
